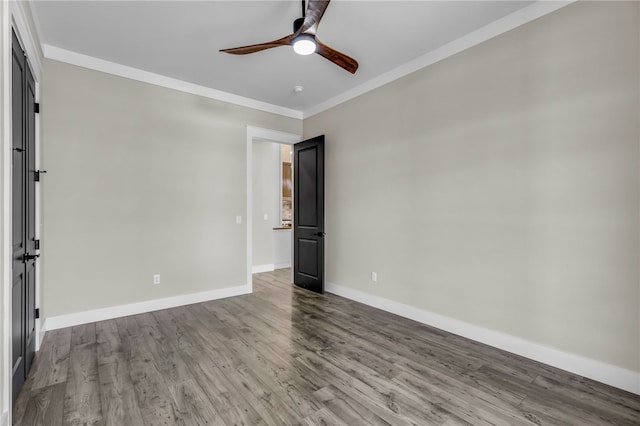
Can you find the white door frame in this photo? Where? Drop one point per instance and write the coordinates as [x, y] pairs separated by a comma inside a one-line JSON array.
[[253, 134]]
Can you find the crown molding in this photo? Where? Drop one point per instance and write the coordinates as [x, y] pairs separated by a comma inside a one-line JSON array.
[[26, 36], [489, 31], [97, 64]]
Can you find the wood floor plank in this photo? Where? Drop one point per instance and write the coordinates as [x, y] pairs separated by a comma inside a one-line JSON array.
[[383, 401], [20, 405], [285, 356], [347, 408], [493, 381], [324, 416], [553, 413], [214, 344], [269, 405], [52, 360], [193, 403], [228, 401], [461, 405], [456, 385], [117, 394], [280, 376], [188, 397], [148, 325], [447, 358], [82, 391], [83, 334], [620, 410], [110, 345], [45, 407], [152, 394]]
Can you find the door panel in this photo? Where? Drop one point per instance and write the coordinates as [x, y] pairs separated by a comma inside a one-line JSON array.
[[308, 198], [17, 334], [308, 214], [308, 254], [30, 322]]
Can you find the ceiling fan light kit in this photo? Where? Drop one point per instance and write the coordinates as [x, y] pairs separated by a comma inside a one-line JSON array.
[[304, 44], [304, 40]]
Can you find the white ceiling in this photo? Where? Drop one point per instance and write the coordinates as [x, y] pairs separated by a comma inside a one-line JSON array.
[[181, 39]]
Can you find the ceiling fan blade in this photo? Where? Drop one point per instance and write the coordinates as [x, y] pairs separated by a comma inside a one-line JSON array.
[[338, 58], [252, 48], [315, 10]]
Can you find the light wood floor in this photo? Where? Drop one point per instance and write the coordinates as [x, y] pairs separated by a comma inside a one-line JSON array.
[[286, 356]]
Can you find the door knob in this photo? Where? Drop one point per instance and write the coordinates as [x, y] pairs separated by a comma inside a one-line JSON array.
[[319, 234], [28, 256]]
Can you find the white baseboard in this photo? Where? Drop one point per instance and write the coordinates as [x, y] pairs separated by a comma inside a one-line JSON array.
[[256, 269], [5, 419], [41, 332], [282, 265], [599, 371], [111, 312]]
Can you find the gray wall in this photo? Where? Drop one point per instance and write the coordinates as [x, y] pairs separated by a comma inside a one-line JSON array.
[[500, 186], [141, 180]]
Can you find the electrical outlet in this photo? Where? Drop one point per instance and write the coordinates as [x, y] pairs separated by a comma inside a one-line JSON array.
[[374, 277], [156, 279], [266, 216], [239, 220]]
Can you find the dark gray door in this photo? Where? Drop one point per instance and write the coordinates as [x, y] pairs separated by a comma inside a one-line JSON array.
[[23, 217], [308, 214], [30, 216], [18, 243]]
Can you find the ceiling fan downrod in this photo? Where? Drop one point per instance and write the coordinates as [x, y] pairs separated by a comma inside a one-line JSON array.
[[297, 24]]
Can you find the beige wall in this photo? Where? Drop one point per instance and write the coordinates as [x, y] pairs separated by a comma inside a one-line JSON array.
[[265, 200], [500, 186], [141, 180]]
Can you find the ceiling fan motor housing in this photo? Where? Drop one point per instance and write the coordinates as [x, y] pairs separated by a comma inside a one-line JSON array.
[[297, 24]]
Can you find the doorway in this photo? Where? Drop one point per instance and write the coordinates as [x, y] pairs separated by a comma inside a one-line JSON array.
[[272, 206], [308, 235], [272, 140]]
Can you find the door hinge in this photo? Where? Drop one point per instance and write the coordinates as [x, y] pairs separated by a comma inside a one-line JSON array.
[[37, 244], [37, 175], [37, 313], [36, 108]]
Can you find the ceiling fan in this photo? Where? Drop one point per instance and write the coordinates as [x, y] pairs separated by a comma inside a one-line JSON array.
[[303, 39]]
